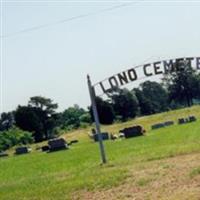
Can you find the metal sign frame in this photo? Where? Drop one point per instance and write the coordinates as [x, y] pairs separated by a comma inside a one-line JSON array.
[[125, 77]]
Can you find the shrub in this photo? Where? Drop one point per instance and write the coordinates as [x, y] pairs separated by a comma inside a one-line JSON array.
[[14, 136]]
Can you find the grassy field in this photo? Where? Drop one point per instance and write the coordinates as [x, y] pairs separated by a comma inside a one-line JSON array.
[[164, 164]]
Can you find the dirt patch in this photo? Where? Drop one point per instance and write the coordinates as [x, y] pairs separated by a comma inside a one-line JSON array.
[[167, 179]]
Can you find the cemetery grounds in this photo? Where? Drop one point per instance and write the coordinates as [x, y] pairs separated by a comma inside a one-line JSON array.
[[164, 164]]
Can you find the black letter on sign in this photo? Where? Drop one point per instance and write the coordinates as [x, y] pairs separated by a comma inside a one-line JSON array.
[[123, 78], [198, 62], [168, 66], [190, 61], [102, 87], [113, 82], [157, 67], [179, 64], [145, 70], [132, 74]]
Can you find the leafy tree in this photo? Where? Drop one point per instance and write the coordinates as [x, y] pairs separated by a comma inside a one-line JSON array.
[[71, 117], [45, 104], [105, 111], [182, 83], [38, 117], [46, 113], [6, 121], [27, 118], [156, 96], [197, 87], [86, 118], [145, 105], [125, 103]]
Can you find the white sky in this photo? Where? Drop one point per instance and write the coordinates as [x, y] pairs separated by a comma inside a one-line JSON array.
[[53, 61]]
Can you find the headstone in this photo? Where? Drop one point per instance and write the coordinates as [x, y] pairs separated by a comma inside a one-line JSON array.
[[192, 119], [113, 137], [57, 144], [182, 121], [157, 126], [133, 131], [121, 135], [3, 154], [22, 150], [45, 148], [38, 148], [169, 123], [105, 136], [73, 142]]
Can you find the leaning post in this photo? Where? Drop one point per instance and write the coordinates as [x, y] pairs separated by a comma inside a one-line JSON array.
[[96, 118]]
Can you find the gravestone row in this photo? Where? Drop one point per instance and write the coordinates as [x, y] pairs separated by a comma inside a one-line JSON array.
[[129, 132], [134, 131], [187, 120], [53, 145], [170, 123], [162, 125]]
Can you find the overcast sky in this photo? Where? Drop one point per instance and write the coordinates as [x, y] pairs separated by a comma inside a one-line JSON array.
[[53, 60]]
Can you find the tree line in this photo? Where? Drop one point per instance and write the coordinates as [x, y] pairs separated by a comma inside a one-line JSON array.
[[39, 120]]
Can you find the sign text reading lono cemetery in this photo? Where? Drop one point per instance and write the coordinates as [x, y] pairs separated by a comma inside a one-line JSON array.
[[146, 70]]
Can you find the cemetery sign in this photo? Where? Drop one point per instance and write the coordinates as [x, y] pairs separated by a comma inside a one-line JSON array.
[[131, 75], [145, 71]]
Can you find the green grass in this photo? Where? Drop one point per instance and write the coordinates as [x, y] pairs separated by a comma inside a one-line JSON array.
[[56, 176], [195, 172]]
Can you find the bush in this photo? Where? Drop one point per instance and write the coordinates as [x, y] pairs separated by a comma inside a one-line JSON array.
[[86, 118], [57, 131], [14, 136]]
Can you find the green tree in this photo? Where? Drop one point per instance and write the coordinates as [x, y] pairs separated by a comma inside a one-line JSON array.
[[28, 118], [71, 117], [125, 103], [86, 118], [154, 97], [145, 105], [182, 83], [38, 117], [6, 120], [45, 104], [105, 111], [197, 87], [46, 113]]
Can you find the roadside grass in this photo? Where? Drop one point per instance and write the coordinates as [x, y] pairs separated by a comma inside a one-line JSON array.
[[56, 176], [195, 172]]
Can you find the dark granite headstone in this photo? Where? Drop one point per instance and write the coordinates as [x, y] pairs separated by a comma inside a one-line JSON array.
[[157, 126], [57, 144], [73, 142], [3, 154], [105, 136], [45, 148], [192, 119], [182, 121], [121, 135], [169, 123], [22, 150], [133, 131]]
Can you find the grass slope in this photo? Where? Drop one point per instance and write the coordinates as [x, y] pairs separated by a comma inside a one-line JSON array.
[[66, 174]]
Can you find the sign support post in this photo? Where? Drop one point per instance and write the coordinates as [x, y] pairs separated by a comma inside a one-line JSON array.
[[96, 118]]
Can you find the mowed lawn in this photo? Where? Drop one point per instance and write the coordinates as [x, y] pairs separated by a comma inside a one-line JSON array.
[[165, 156]]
